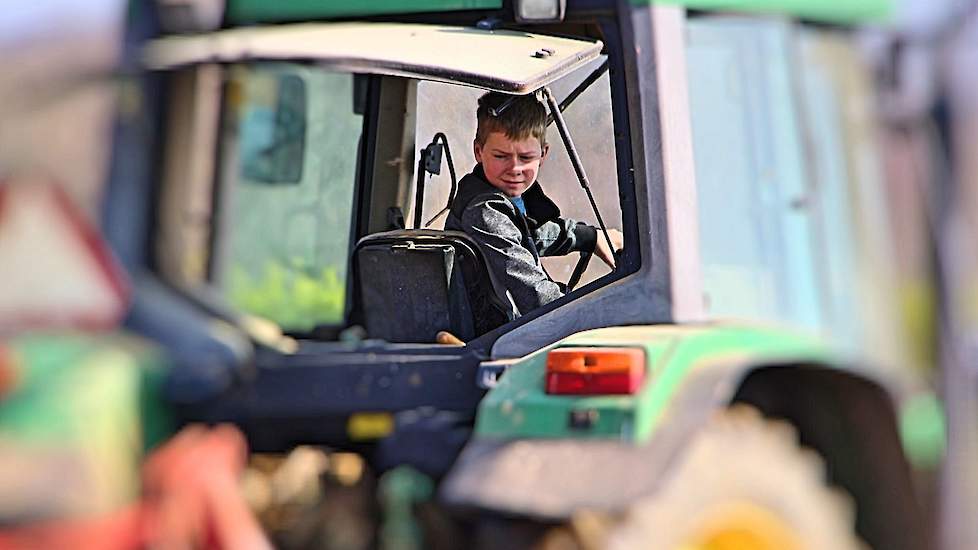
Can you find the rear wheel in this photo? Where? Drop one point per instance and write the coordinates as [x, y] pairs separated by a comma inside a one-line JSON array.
[[744, 484]]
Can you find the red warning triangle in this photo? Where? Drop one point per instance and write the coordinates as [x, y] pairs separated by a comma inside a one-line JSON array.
[[55, 269]]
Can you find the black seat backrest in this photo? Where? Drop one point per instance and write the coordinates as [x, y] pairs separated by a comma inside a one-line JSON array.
[[413, 283]]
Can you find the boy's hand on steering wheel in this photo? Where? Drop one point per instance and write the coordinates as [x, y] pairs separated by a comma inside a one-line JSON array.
[[601, 248]]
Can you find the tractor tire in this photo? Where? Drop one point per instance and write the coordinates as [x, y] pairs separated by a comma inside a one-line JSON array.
[[743, 484]]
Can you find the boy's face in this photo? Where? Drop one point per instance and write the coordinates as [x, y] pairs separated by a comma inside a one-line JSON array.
[[510, 166]]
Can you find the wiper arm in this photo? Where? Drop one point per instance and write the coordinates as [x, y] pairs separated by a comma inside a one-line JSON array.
[[575, 159]]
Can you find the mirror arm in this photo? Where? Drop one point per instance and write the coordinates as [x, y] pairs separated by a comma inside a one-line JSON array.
[[451, 172]]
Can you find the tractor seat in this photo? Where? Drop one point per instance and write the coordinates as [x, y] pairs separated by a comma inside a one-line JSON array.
[[414, 283]]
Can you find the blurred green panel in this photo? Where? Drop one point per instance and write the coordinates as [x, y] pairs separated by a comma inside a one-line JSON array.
[[83, 410], [254, 11], [840, 11], [63, 372], [923, 430]]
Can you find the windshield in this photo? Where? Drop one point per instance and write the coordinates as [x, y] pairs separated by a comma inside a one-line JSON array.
[[286, 211]]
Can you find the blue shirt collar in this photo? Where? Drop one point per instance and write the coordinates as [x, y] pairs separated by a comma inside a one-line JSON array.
[[520, 205]]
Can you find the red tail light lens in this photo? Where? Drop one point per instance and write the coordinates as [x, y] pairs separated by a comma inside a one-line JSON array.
[[595, 371], [8, 371]]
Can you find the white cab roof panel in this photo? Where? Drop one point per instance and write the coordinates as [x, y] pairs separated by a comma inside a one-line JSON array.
[[501, 60]]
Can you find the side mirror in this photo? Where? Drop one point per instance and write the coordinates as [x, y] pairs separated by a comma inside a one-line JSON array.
[[272, 132]]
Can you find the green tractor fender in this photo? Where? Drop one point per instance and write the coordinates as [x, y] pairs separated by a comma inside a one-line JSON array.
[[548, 457]]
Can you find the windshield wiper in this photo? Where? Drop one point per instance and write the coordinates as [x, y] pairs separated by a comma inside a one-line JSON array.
[[575, 159]]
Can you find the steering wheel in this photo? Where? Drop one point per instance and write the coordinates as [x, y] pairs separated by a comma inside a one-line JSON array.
[[579, 270]]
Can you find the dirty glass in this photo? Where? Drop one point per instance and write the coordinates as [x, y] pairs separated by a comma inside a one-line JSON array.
[[756, 227], [273, 129], [856, 252], [286, 223]]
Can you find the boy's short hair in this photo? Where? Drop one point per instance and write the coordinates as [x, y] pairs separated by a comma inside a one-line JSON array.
[[525, 117]]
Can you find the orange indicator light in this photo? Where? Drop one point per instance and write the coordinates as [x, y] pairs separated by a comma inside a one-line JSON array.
[[595, 371]]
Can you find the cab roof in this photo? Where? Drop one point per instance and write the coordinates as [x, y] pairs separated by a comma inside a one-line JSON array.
[[501, 60]]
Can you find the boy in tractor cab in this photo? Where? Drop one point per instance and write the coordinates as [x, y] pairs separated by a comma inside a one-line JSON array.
[[503, 207]]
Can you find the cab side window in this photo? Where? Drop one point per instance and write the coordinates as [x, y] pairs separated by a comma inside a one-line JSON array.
[[286, 208]]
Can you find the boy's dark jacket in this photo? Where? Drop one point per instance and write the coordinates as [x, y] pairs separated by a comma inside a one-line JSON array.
[[513, 242]]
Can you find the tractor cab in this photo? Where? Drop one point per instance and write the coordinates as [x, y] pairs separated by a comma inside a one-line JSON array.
[[326, 217], [306, 173]]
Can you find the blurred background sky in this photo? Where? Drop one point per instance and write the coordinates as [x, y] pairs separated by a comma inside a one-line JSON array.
[[22, 20]]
